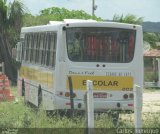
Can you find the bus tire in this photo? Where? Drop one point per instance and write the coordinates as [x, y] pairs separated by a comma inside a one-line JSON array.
[[39, 95]]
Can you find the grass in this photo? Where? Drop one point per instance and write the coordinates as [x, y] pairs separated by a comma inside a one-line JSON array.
[[17, 115], [150, 76]]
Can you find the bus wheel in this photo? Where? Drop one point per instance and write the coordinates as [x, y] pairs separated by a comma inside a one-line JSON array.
[[39, 95]]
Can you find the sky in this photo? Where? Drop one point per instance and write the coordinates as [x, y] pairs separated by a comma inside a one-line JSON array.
[[149, 9]]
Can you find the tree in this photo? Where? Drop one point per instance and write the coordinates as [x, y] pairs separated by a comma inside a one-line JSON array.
[[152, 39], [55, 14], [62, 13], [130, 18], [10, 25], [31, 20]]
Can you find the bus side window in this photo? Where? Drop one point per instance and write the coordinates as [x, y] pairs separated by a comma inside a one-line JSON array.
[[53, 49], [22, 49], [34, 47], [37, 48], [44, 49], [31, 47], [41, 48], [26, 47], [47, 49], [48, 46]]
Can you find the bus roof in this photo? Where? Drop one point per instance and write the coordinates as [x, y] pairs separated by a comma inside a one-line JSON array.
[[54, 25], [71, 21]]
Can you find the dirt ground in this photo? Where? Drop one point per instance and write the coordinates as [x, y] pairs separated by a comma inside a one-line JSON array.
[[151, 101]]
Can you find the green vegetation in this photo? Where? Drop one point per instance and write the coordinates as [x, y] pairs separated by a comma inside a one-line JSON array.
[[11, 22], [55, 14], [130, 18], [17, 115], [152, 39], [150, 76], [10, 27]]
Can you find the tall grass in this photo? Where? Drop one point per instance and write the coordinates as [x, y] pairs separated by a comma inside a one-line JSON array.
[[17, 115]]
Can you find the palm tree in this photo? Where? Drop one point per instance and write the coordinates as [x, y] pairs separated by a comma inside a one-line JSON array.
[[151, 38], [130, 18], [10, 25]]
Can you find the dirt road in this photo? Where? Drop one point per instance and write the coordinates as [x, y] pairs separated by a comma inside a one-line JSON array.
[[151, 101]]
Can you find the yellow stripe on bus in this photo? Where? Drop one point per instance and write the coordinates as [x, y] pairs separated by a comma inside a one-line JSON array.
[[42, 77], [102, 82]]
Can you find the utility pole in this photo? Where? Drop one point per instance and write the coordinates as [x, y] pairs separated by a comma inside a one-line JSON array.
[[94, 7]]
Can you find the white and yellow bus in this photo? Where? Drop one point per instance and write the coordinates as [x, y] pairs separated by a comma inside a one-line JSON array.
[[109, 54]]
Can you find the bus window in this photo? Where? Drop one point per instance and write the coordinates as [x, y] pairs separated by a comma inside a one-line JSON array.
[[50, 49], [26, 48], [131, 46], [48, 46], [100, 44], [54, 49], [44, 49], [22, 49], [91, 47], [75, 46], [47, 49], [53, 40], [34, 47], [31, 47], [41, 48], [37, 48]]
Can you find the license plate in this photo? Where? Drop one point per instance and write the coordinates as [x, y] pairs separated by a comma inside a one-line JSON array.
[[100, 95]]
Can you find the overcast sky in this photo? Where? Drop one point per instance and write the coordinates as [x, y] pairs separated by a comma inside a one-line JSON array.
[[149, 9]]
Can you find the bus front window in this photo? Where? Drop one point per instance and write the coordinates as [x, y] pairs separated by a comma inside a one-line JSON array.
[[100, 44]]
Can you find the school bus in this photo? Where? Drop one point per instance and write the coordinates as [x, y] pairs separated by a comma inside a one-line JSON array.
[[108, 53]]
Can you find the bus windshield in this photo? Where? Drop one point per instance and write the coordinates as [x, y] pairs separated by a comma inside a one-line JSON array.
[[100, 44]]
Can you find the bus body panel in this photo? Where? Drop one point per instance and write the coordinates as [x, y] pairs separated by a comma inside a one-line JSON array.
[[111, 80], [48, 100], [85, 70]]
